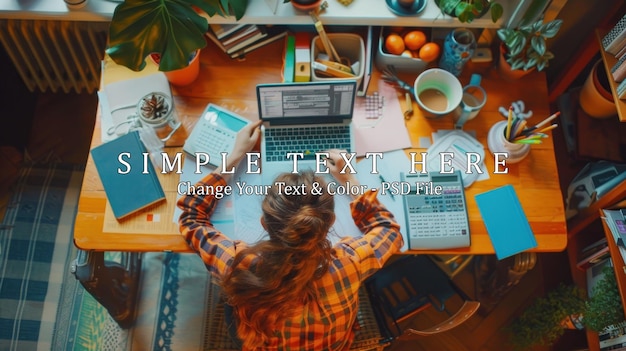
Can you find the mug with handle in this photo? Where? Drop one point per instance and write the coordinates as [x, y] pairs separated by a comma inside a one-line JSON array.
[[474, 98]]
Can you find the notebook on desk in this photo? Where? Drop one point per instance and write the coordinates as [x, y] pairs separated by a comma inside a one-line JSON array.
[[303, 118]]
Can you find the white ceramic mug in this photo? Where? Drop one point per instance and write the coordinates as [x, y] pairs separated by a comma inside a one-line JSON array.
[[474, 98], [437, 92]]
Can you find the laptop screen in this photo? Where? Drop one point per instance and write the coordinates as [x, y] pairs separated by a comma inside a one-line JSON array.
[[311, 102]]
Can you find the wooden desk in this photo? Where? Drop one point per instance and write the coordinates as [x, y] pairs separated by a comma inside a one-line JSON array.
[[231, 84]]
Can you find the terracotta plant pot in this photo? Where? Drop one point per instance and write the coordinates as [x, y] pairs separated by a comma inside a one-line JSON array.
[[306, 5], [183, 76], [505, 71], [596, 98]]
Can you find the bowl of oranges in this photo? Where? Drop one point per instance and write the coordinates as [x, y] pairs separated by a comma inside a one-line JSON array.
[[407, 49]]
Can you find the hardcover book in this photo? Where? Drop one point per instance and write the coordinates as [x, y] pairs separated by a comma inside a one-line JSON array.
[[120, 165], [272, 34], [222, 30]]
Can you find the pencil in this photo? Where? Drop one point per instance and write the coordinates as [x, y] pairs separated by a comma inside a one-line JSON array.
[[550, 127], [508, 124], [519, 127], [528, 141], [545, 121]]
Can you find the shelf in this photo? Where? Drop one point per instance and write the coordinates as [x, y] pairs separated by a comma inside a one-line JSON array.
[[610, 60], [359, 12]]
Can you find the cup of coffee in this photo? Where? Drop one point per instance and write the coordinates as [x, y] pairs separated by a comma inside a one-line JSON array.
[[474, 98], [437, 92]]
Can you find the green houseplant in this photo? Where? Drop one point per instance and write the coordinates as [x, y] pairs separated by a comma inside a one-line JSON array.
[[604, 307], [173, 29], [542, 322], [524, 48], [467, 10]]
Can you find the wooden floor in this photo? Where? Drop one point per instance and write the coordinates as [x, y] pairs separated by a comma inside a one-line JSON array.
[[61, 126]]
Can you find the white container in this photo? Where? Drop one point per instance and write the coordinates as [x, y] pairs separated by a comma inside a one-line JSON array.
[[402, 64], [498, 143], [347, 45]]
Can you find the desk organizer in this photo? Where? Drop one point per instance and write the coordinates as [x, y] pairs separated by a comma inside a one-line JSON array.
[[402, 64], [349, 46]]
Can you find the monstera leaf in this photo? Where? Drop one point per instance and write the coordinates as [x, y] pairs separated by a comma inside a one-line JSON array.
[[171, 28]]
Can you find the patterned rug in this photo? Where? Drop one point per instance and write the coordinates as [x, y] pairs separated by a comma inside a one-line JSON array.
[[42, 305]]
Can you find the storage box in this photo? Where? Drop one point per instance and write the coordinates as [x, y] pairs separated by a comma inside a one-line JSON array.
[[402, 64], [348, 46]]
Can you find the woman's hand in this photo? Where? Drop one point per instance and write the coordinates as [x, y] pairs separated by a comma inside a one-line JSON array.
[[336, 164], [246, 138]]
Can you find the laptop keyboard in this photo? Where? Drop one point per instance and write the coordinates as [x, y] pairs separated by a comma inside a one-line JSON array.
[[307, 140]]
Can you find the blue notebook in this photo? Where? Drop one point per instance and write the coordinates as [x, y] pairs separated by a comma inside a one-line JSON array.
[[506, 221], [127, 192]]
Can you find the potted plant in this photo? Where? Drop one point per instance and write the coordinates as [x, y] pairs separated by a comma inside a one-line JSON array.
[[524, 48], [304, 5], [542, 322], [604, 307], [172, 29], [467, 10]]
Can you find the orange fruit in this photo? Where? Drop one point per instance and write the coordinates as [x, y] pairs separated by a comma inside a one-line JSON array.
[[414, 39], [429, 52], [394, 44]]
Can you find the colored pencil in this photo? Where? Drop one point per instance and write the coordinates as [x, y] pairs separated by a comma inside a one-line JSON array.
[[508, 124], [550, 127]]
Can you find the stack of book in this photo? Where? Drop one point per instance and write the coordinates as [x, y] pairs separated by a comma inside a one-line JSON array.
[[614, 43], [238, 39]]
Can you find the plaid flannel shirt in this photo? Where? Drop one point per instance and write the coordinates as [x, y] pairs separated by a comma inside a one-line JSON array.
[[325, 324]]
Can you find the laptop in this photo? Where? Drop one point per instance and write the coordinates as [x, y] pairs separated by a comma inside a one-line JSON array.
[[305, 118]]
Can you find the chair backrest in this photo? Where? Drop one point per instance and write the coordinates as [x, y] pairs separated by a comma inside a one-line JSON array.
[[407, 286], [367, 338]]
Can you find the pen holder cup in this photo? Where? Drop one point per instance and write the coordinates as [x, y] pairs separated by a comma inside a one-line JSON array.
[[497, 142], [351, 50]]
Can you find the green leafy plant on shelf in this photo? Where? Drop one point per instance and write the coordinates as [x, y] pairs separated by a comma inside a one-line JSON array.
[[468, 10], [542, 322], [173, 29], [604, 307], [525, 47]]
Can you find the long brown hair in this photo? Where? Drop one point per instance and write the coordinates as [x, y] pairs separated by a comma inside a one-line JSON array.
[[272, 279]]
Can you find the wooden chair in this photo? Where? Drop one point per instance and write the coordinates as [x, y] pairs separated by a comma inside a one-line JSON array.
[[407, 286], [367, 338]]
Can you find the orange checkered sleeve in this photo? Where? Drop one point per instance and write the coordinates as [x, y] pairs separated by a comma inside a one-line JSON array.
[[326, 323]]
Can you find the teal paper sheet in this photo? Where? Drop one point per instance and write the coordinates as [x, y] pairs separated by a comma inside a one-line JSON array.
[[506, 222]]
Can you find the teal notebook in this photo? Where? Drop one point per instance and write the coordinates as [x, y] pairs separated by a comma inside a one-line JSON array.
[[130, 192], [506, 221]]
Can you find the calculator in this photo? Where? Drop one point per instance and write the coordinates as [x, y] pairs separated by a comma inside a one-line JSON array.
[[435, 211], [214, 133]]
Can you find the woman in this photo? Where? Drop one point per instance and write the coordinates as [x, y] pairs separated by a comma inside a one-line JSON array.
[[293, 290]]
